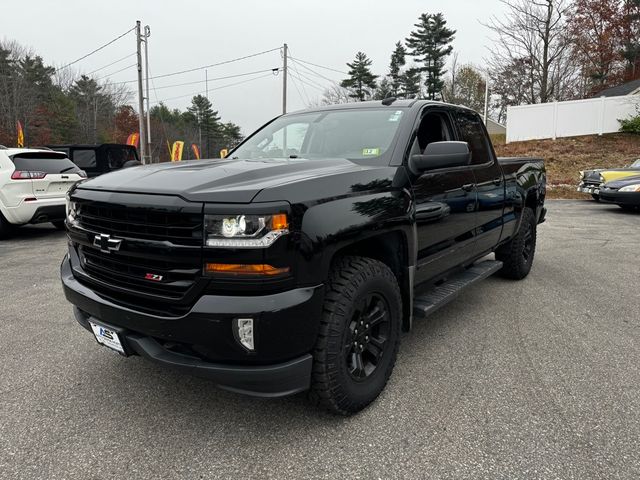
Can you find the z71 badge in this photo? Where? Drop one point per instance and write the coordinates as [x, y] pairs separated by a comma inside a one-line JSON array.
[[153, 277]]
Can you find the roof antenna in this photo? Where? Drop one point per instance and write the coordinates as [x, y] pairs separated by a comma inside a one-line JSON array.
[[388, 101]]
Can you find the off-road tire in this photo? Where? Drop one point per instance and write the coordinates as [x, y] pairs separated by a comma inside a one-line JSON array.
[[59, 225], [352, 281], [595, 197], [517, 254]]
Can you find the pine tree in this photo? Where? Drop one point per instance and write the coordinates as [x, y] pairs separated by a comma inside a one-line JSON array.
[[410, 83], [202, 114], [361, 82], [384, 90], [398, 60], [430, 44]]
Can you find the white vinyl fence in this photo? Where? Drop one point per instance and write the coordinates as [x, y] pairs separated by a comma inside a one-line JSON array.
[[594, 116]]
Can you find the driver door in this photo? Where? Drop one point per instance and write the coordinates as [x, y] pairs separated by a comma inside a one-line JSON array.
[[445, 203]]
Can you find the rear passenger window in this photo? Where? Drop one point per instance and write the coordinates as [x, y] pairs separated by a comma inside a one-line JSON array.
[[85, 159], [472, 131]]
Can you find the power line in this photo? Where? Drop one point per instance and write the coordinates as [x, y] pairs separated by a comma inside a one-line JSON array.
[[321, 66], [312, 80], [319, 75], [117, 71], [110, 64], [217, 78], [295, 67], [213, 89], [209, 66], [95, 51], [321, 89], [299, 94]]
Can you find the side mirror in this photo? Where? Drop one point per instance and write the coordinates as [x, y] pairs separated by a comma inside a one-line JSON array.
[[441, 155]]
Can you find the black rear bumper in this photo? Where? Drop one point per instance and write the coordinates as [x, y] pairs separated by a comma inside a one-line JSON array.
[[251, 373]]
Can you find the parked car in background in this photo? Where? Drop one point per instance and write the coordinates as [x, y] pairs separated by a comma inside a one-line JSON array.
[[624, 192], [99, 159], [33, 186], [592, 180]]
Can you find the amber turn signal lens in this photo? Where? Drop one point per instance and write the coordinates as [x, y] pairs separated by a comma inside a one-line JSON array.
[[239, 269], [279, 222]]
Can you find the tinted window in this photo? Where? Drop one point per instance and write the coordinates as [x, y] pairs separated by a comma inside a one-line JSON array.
[[472, 132], [85, 159], [40, 162]]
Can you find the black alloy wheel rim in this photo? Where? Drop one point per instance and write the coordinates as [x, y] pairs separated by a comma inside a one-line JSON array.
[[527, 251], [367, 338]]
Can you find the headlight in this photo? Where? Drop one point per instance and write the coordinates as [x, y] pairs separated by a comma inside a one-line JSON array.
[[630, 188], [581, 175], [71, 209], [244, 231]]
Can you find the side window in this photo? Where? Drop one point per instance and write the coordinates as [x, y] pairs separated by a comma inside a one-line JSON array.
[[434, 127], [473, 132], [85, 159]]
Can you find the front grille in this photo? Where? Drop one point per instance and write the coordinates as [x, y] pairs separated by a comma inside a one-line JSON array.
[[158, 265], [152, 224], [173, 278]]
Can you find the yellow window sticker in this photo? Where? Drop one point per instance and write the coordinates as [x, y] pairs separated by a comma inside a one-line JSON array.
[[370, 152]]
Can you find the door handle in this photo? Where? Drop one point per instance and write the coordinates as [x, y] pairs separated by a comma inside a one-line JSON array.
[[468, 187]]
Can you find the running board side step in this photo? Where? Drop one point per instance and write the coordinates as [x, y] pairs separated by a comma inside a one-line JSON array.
[[439, 296]]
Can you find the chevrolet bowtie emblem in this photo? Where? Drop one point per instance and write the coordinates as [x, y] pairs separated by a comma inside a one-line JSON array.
[[106, 244]]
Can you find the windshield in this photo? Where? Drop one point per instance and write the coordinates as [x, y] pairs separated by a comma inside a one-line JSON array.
[[352, 134]]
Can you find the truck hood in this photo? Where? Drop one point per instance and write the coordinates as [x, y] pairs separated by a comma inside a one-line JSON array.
[[223, 181]]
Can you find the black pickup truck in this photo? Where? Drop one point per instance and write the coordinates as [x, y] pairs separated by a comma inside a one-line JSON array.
[[295, 263]]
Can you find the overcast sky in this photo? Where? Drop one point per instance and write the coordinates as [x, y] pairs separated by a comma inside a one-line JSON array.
[[190, 34]]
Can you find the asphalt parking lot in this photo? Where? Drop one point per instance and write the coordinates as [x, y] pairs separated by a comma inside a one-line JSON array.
[[536, 379]]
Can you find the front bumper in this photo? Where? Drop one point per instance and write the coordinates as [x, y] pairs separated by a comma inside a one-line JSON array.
[[631, 199], [589, 188], [202, 342]]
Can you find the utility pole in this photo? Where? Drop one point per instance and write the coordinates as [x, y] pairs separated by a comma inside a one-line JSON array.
[[147, 34], [143, 135], [284, 79], [206, 83]]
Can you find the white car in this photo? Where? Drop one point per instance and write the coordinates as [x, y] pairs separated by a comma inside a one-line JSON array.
[[33, 186]]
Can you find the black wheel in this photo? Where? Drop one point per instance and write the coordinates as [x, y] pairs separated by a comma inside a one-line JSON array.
[[595, 197], [6, 229], [59, 224], [517, 254], [359, 335]]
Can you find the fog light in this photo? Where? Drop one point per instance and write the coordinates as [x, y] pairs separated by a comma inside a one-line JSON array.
[[244, 332]]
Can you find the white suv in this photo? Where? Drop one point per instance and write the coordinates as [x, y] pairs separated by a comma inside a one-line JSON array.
[[33, 186]]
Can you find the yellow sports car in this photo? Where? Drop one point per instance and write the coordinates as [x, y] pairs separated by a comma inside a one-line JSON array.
[[591, 181]]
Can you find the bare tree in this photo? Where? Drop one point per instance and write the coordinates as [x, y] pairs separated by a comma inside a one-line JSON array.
[[533, 36]]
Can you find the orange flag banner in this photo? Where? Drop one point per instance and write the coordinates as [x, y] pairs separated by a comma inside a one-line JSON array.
[[176, 151], [196, 150], [133, 139], [20, 134]]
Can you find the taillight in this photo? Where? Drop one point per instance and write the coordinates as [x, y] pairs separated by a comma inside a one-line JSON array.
[[28, 175]]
